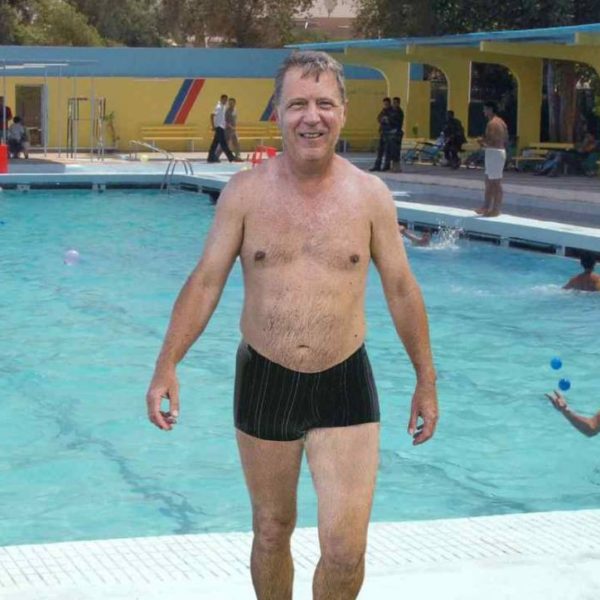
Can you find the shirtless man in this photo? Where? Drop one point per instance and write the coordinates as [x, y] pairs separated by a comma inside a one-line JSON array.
[[588, 281], [305, 225], [494, 141]]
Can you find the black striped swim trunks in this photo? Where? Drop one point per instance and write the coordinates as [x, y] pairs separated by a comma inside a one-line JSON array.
[[276, 403]]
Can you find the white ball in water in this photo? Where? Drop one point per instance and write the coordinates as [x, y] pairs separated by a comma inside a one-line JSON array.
[[71, 257]]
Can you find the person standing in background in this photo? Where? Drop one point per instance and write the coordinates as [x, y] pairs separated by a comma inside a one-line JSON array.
[[230, 130], [217, 122], [494, 142], [396, 135], [384, 118]]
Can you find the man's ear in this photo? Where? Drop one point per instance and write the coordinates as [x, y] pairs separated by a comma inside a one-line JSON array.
[[345, 112]]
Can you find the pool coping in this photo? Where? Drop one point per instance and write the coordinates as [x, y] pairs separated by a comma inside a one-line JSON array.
[[457, 551], [506, 230]]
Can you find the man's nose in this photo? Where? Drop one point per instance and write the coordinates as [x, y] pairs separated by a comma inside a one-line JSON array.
[[312, 112]]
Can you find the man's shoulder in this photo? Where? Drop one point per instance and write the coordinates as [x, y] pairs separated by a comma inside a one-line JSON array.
[[371, 188]]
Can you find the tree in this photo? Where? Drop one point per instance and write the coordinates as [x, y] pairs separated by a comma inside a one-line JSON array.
[[9, 24], [241, 23], [127, 22], [56, 23]]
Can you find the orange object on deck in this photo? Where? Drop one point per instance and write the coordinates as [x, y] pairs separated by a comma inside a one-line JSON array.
[[3, 158], [259, 151]]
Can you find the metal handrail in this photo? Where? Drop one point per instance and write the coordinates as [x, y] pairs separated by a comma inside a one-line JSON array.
[[133, 153], [187, 166]]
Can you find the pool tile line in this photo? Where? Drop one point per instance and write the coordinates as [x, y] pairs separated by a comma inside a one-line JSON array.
[[198, 558]]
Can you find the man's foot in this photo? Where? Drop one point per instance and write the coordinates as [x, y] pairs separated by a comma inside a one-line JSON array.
[[213, 160], [481, 211], [491, 213], [386, 168], [238, 159], [375, 168]]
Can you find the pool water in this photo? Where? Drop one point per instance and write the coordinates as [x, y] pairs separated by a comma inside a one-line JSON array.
[[79, 460]]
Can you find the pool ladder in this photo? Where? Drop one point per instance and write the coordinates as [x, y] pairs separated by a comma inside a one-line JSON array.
[[168, 178]]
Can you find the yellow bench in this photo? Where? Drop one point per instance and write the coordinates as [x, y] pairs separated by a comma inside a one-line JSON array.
[[170, 133], [538, 152], [261, 132], [358, 138]]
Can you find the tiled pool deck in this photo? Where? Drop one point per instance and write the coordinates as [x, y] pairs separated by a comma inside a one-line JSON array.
[[538, 556]]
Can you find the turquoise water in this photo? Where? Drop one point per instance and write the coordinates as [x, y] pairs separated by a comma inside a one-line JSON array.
[[79, 460]]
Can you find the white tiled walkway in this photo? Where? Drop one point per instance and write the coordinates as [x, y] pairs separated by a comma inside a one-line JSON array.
[[540, 556]]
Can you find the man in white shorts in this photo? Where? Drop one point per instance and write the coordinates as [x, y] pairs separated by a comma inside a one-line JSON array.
[[494, 141]]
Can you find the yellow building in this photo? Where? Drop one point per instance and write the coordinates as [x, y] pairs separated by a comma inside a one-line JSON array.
[[67, 95], [522, 52]]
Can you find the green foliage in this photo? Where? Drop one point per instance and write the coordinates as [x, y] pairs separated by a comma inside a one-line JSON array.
[[394, 18], [126, 22], [57, 23], [8, 24], [241, 23]]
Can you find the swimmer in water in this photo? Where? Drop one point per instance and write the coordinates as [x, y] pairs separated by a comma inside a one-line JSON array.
[[417, 240]]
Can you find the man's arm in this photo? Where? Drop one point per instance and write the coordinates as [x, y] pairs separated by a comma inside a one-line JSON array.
[[589, 426], [196, 301], [407, 309]]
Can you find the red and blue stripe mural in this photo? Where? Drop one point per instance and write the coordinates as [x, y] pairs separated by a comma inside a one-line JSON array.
[[184, 101], [269, 112]]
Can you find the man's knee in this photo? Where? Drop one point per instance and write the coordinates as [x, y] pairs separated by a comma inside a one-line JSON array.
[[273, 532], [344, 554]]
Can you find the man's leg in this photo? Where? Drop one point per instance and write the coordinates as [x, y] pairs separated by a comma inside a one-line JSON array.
[[213, 147], [234, 144], [388, 152], [223, 144], [343, 462], [497, 197], [271, 470], [380, 149], [488, 198]]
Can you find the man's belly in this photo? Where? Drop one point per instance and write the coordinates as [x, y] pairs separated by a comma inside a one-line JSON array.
[[306, 337]]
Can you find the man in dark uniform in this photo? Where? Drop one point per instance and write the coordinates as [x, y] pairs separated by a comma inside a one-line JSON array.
[[385, 120], [454, 136], [396, 134]]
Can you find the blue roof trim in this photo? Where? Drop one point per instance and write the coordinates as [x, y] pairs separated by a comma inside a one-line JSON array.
[[564, 35], [186, 63]]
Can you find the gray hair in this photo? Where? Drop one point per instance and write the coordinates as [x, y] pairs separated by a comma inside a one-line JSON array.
[[313, 64]]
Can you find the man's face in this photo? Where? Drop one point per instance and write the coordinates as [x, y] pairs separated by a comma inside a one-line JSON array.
[[386, 104], [231, 103], [223, 99], [488, 112], [396, 103], [311, 115]]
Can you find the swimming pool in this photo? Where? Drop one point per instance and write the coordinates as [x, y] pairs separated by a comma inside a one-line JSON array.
[[78, 459]]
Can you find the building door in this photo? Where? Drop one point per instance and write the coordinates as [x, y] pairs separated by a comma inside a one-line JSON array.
[[30, 105]]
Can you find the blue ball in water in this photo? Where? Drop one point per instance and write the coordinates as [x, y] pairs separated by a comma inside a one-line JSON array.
[[564, 385], [556, 363]]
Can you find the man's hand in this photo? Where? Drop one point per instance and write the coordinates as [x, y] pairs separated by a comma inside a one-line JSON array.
[[558, 401], [163, 385], [425, 407]]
